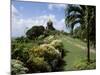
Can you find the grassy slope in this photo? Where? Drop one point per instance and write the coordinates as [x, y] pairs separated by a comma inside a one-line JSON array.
[[75, 53]]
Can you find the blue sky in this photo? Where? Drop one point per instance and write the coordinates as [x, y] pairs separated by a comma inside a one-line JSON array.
[[28, 14]]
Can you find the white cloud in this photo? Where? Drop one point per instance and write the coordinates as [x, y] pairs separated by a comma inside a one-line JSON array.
[[58, 6], [60, 25]]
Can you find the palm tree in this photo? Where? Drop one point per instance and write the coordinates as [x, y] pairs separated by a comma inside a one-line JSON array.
[[73, 16], [83, 15]]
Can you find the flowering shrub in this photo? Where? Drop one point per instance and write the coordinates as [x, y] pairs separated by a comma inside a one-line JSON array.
[[51, 52], [18, 67], [38, 64], [45, 50], [45, 57], [57, 44]]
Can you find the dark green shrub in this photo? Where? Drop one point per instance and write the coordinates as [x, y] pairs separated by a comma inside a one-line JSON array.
[[19, 51], [35, 31]]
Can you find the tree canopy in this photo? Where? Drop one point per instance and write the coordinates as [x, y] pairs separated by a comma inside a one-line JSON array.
[[35, 31]]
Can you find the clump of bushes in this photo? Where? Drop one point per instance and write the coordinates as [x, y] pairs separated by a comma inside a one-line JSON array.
[[38, 64], [20, 52], [46, 51], [59, 46], [18, 67], [84, 65], [45, 56]]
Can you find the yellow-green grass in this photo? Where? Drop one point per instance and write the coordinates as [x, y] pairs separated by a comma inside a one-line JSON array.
[[77, 51]]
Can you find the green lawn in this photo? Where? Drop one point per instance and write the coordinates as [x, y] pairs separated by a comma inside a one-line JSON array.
[[76, 51]]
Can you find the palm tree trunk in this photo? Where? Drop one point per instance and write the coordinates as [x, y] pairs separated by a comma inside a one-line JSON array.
[[72, 32], [72, 27], [88, 42], [88, 45]]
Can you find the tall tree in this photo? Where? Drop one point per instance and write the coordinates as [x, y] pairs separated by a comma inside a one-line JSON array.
[[35, 31], [73, 16]]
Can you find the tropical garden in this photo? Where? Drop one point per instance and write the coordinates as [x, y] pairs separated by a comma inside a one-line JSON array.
[[50, 50]]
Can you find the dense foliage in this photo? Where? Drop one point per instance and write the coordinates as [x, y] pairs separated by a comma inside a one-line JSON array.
[[84, 16], [47, 54], [35, 31]]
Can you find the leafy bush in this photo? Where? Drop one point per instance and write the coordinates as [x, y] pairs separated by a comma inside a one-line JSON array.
[[21, 39], [46, 55], [84, 65], [38, 64], [20, 52], [41, 37], [49, 39], [35, 31], [58, 45], [51, 52], [45, 50], [18, 67]]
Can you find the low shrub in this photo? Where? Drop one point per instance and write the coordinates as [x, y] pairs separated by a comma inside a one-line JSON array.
[[49, 39], [41, 37], [45, 56], [38, 64], [45, 50], [51, 52], [17, 67], [59, 46], [84, 65], [20, 52]]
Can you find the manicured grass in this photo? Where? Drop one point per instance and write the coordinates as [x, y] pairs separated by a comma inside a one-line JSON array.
[[75, 53]]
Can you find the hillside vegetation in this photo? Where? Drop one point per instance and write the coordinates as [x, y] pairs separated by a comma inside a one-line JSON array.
[[56, 52], [50, 50]]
